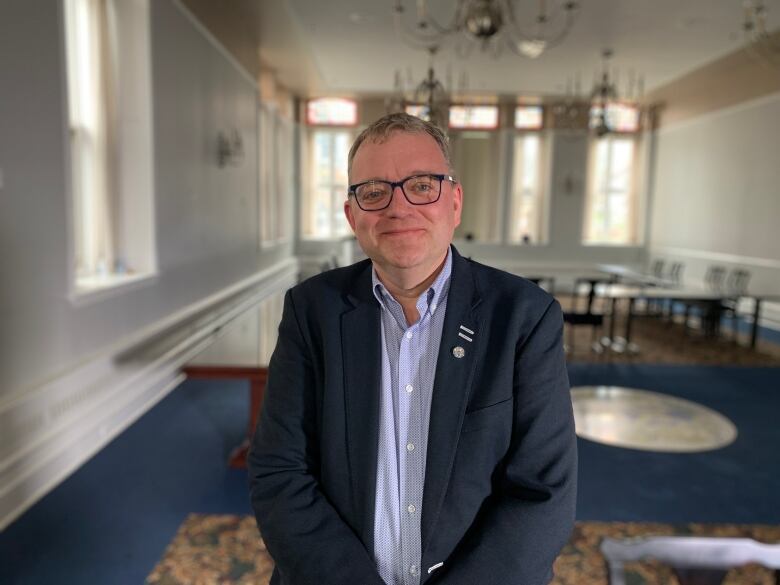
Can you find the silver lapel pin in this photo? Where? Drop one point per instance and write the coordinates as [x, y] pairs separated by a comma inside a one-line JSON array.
[[463, 335], [458, 351]]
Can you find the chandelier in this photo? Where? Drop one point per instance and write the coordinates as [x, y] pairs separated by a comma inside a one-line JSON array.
[[489, 24], [761, 43], [604, 97], [429, 98]]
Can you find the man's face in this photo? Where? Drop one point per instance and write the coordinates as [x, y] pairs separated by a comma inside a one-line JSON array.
[[404, 236]]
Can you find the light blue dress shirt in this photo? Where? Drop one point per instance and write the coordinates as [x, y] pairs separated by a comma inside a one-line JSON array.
[[409, 355]]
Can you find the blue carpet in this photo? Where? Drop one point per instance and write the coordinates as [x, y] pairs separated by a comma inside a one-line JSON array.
[[737, 484], [111, 520]]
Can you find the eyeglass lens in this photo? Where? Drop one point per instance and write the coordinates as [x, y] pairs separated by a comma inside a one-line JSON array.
[[418, 190]]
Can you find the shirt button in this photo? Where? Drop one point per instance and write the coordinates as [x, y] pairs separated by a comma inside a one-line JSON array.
[[408, 335], [412, 509], [409, 388], [413, 570], [410, 446]]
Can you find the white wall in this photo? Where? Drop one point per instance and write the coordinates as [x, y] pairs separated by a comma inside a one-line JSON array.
[[207, 217], [716, 198], [64, 387]]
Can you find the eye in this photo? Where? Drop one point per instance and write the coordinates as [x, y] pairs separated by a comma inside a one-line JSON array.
[[422, 185], [371, 192]]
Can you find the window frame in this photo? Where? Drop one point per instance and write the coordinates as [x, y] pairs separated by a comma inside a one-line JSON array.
[[336, 124], [337, 195], [632, 194], [472, 127], [115, 183], [542, 191]]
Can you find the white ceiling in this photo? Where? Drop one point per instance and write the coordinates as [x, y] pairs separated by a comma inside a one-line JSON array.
[[350, 46]]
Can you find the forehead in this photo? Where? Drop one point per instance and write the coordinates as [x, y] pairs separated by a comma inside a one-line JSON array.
[[396, 156]]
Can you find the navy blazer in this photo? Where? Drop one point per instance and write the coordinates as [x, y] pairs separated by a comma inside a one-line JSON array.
[[500, 478]]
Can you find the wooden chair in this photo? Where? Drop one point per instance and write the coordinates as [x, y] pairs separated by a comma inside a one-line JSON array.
[[695, 560]]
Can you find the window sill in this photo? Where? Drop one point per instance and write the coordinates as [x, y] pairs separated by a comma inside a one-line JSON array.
[[92, 289]]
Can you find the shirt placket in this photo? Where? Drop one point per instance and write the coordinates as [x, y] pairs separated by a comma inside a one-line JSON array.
[[410, 438]]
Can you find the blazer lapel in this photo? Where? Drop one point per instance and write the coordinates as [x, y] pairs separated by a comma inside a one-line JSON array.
[[361, 355], [454, 374]]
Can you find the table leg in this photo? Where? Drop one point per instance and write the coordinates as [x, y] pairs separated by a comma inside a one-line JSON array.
[[756, 315], [607, 341], [237, 459]]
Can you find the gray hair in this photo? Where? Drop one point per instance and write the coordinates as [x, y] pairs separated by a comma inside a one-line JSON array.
[[385, 126]]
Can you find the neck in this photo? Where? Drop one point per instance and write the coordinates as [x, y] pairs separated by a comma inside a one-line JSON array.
[[406, 287]]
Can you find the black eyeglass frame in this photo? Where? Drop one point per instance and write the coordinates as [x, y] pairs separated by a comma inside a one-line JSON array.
[[352, 191]]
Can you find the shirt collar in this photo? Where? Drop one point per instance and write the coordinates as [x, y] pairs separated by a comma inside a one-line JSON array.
[[431, 298]]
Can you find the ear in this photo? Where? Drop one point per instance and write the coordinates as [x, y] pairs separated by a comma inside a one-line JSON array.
[[457, 202], [349, 212]]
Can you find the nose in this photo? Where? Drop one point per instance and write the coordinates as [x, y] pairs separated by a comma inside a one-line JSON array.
[[398, 203]]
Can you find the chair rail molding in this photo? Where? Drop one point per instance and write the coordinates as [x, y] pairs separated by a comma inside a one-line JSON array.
[[48, 432]]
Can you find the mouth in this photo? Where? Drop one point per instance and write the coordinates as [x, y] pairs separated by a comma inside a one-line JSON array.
[[401, 232]]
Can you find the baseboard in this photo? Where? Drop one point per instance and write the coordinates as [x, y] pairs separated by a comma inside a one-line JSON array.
[[49, 432]]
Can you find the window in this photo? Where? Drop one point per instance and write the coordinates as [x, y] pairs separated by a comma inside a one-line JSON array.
[[323, 199], [529, 117], [528, 205], [421, 111], [109, 114], [277, 149], [619, 118], [331, 112], [474, 117], [610, 215]]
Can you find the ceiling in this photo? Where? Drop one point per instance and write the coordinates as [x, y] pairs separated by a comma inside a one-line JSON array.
[[350, 47]]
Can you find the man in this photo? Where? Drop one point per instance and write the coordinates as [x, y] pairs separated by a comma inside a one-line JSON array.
[[417, 424]]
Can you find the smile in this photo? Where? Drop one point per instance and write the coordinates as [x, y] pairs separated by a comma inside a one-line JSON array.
[[401, 232]]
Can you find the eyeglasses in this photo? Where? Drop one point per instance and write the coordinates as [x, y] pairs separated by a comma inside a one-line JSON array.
[[418, 190]]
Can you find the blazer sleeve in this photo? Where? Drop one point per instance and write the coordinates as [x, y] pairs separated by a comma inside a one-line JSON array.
[[308, 540], [522, 527]]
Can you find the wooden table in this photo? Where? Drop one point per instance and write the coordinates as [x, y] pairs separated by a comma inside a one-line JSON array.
[[257, 377]]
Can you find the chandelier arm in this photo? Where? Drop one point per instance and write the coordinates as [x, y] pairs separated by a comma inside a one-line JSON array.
[[550, 40], [455, 24], [429, 21], [412, 35]]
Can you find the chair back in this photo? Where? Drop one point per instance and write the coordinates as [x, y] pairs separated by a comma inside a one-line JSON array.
[[737, 281], [714, 277], [675, 272]]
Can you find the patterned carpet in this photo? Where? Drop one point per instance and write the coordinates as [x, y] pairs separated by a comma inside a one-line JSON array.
[[228, 550]]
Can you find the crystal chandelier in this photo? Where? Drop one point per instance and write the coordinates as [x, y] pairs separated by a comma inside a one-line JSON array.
[[430, 96], [489, 24], [604, 96], [604, 92], [760, 42]]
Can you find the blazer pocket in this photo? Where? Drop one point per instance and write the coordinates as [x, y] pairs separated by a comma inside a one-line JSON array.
[[475, 420]]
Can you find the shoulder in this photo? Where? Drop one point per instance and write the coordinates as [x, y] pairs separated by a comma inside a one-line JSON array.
[[499, 285], [331, 286]]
